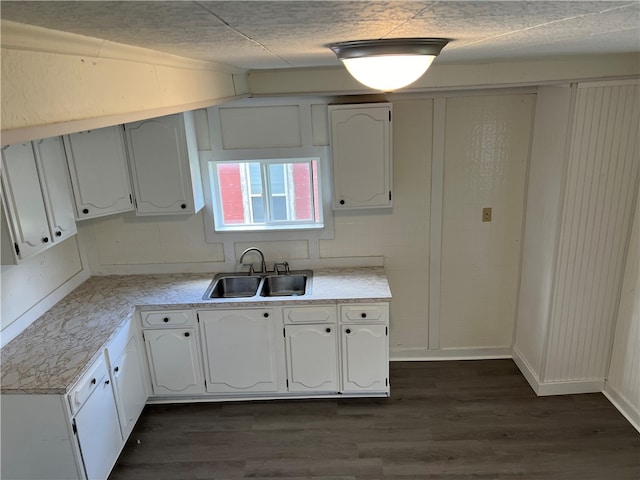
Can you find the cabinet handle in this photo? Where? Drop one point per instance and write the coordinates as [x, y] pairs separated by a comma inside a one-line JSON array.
[[363, 315], [348, 330], [45, 240], [106, 382], [186, 334], [183, 206], [328, 330], [341, 202], [93, 381], [165, 319], [58, 233], [116, 369], [85, 210], [265, 315]]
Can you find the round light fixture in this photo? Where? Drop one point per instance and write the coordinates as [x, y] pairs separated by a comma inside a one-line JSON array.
[[388, 64]]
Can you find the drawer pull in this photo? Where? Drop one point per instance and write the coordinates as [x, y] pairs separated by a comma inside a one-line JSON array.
[[165, 319], [328, 330], [106, 382], [186, 334], [115, 370], [363, 315], [93, 381]]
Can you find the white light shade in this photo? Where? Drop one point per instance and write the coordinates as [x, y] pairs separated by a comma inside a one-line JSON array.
[[388, 72], [388, 64]]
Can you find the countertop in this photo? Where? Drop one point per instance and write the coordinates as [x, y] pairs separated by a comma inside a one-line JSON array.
[[55, 350]]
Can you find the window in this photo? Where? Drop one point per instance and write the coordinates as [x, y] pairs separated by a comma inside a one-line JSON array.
[[272, 194]]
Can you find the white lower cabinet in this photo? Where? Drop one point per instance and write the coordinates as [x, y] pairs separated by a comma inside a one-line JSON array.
[[98, 430], [365, 363], [312, 358], [243, 350], [129, 385], [174, 361]]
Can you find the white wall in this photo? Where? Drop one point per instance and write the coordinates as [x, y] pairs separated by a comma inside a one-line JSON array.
[[55, 83], [29, 289], [623, 380]]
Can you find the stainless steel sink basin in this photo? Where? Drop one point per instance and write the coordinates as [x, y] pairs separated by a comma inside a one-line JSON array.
[[241, 285], [284, 285], [227, 286]]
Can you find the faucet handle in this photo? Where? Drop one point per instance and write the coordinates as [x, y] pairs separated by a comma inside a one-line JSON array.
[[250, 265], [284, 265]]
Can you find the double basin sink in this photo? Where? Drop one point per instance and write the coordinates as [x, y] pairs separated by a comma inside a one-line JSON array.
[[242, 285]]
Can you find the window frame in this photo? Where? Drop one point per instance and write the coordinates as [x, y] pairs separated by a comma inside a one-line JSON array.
[[266, 193]]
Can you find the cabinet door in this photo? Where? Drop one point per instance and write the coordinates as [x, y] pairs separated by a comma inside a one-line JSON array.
[[99, 431], [24, 201], [174, 361], [161, 165], [361, 146], [56, 189], [312, 360], [241, 353], [129, 386], [365, 363], [99, 172]]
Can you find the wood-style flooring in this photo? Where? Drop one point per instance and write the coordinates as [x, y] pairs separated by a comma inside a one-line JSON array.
[[444, 420]]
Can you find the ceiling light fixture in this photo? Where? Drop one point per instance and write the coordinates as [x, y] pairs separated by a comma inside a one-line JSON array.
[[388, 64]]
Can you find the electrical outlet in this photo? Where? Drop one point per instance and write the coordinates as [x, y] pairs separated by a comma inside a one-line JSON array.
[[486, 214]]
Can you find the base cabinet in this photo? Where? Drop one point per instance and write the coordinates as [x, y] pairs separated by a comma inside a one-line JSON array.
[[312, 358], [365, 364], [98, 431], [242, 350]]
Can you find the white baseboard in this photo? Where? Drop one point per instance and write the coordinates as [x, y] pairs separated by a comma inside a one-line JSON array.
[[591, 385], [424, 354], [16, 327], [629, 411]]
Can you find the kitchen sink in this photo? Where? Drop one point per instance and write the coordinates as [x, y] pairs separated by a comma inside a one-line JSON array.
[[228, 286], [290, 285], [241, 285]]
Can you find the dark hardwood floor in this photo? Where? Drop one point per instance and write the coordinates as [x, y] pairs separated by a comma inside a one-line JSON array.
[[444, 420]]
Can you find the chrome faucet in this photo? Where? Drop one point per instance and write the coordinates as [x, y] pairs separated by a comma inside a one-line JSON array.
[[263, 264]]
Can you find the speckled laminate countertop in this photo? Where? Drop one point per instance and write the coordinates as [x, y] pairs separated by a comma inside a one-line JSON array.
[[55, 350]]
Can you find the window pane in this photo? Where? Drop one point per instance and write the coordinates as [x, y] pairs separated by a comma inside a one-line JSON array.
[[279, 208], [276, 176], [230, 189], [255, 178], [257, 205]]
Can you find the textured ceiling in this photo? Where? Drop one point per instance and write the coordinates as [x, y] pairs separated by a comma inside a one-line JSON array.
[[268, 34]]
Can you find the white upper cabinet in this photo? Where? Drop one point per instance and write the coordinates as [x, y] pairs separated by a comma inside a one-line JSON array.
[[56, 188], [99, 172], [165, 168], [362, 160], [36, 198]]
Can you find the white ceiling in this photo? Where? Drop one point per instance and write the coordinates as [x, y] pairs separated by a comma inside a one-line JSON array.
[[279, 34]]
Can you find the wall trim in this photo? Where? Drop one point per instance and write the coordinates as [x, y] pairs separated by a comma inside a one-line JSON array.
[[423, 354], [16, 327], [624, 406]]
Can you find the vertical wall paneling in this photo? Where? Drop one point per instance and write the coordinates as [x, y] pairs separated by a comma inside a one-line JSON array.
[[623, 380], [487, 140], [435, 231], [544, 188], [601, 184]]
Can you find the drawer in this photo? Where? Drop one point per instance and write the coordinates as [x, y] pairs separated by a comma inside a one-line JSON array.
[[365, 312], [311, 314], [87, 384], [168, 318]]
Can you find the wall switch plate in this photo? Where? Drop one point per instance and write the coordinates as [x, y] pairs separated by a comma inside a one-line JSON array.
[[486, 214]]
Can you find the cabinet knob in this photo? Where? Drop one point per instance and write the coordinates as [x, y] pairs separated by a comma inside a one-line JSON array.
[[106, 382], [45, 240], [165, 319], [183, 206], [348, 330], [186, 334], [341, 202], [328, 330], [93, 381], [265, 315], [116, 369], [85, 210], [363, 315], [58, 233]]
